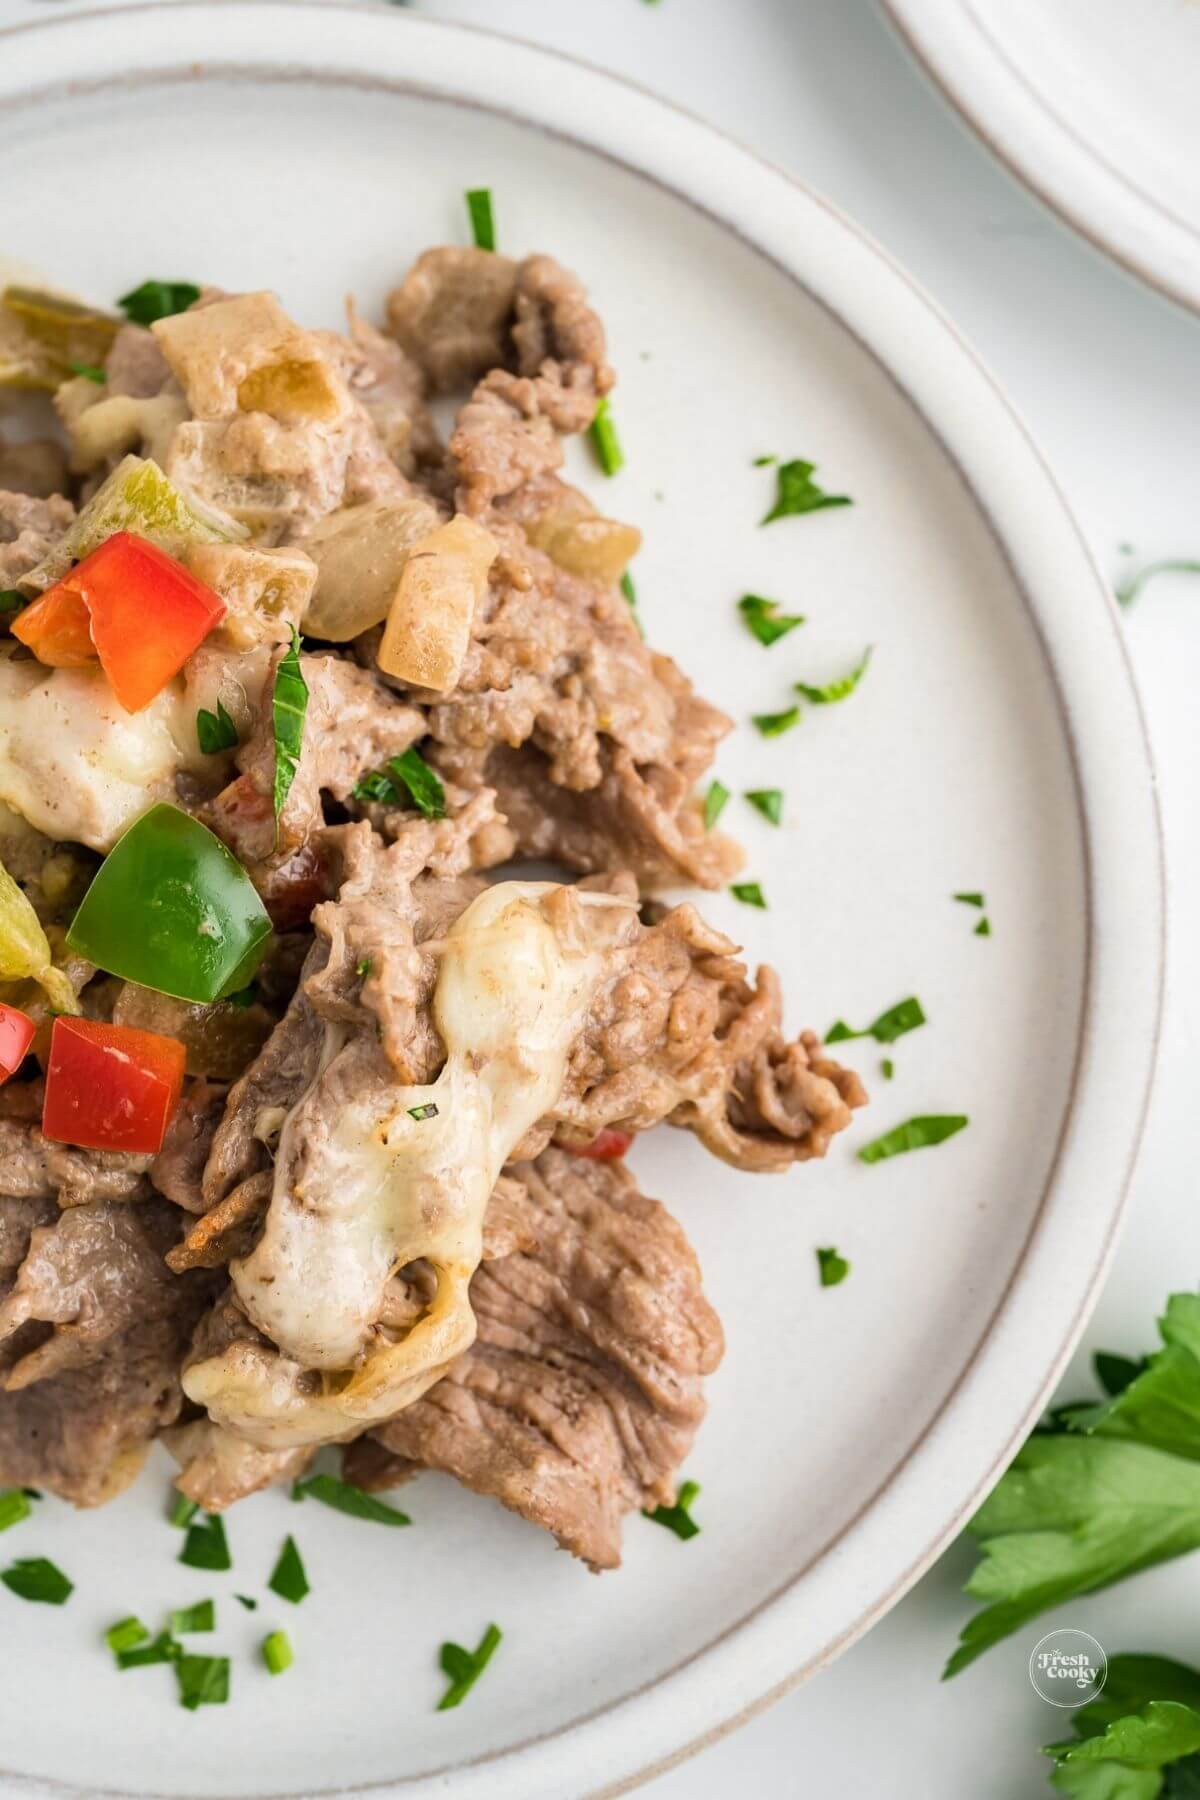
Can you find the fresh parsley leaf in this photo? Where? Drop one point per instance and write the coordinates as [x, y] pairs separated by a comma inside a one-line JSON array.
[[1110, 1490], [970, 900], [1128, 590], [983, 929], [763, 462], [343, 1496], [1131, 1683], [289, 703], [158, 300], [419, 1113], [905, 1016], [407, 777], [200, 1617], [1163, 1732], [775, 724], [483, 220], [914, 1134], [89, 371], [678, 1518], [14, 1506], [768, 801], [377, 786], [464, 1667], [203, 1681], [183, 1511], [206, 1546], [126, 1634], [797, 492], [833, 1268], [11, 600], [714, 803], [605, 442], [36, 1578], [630, 593], [245, 1600], [215, 731], [288, 1579], [749, 893], [277, 1652], [764, 619], [163, 1649], [833, 691], [887, 1068], [1114, 1373]]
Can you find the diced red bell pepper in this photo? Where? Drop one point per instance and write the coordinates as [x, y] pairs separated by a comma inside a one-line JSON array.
[[16, 1035], [144, 614], [109, 1087], [606, 1146]]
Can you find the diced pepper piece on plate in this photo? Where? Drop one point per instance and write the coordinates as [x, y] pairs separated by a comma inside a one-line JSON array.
[[109, 1087], [25, 948], [607, 1146], [173, 909], [16, 1035], [143, 614]]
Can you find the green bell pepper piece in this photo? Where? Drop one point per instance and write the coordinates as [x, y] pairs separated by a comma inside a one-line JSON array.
[[173, 909], [137, 497]]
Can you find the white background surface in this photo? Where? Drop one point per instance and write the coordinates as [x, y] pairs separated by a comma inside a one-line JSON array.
[[1106, 375]]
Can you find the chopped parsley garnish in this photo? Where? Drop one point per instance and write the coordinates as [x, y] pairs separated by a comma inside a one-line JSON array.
[[905, 1016], [1095, 1495], [914, 1134], [206, 1546], [483, 219], [763, 462], [983, 929], [605, 442], [11, 600], [289, 703], [245, 1600], [89, 372], [464, 1667], [797, 492], [887, 1068], [971, 900], [158, 300], [775, 724], [630, 593], [362, 968], [343, 1496], [14, 1506], [277, 1652], [201, 1617], [714, 803], [764, 619], [833, 691], [428, 1111], [288, 1579], [203, 1681], [832, 1267], [749, 893], [1128, 591], [406, 778], [35, 1578], [163, 1649], [183, 1511], [678, 1518], [215, 731], [768, 801], [126, 1634]]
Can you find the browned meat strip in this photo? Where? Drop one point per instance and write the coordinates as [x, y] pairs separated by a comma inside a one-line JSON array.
[[179, 1166], [28, 527], [583, 1391], [32, 1166]]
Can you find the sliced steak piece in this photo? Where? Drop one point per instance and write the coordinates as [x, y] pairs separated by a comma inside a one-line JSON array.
[[583, 1391]]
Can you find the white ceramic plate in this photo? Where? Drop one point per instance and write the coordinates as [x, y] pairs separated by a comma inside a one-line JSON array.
[[996, 744], [1093, 106]]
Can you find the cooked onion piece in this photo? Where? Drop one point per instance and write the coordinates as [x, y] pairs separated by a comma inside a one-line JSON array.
[[429, 625], [383, 1181], [247, 355], [360, 553]]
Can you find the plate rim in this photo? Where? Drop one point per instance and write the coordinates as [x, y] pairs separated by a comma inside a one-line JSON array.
[[1137, 798], [1042, 151]]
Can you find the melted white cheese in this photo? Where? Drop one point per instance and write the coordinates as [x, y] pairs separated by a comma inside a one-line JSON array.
[[510, 1001], [74, 763]]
